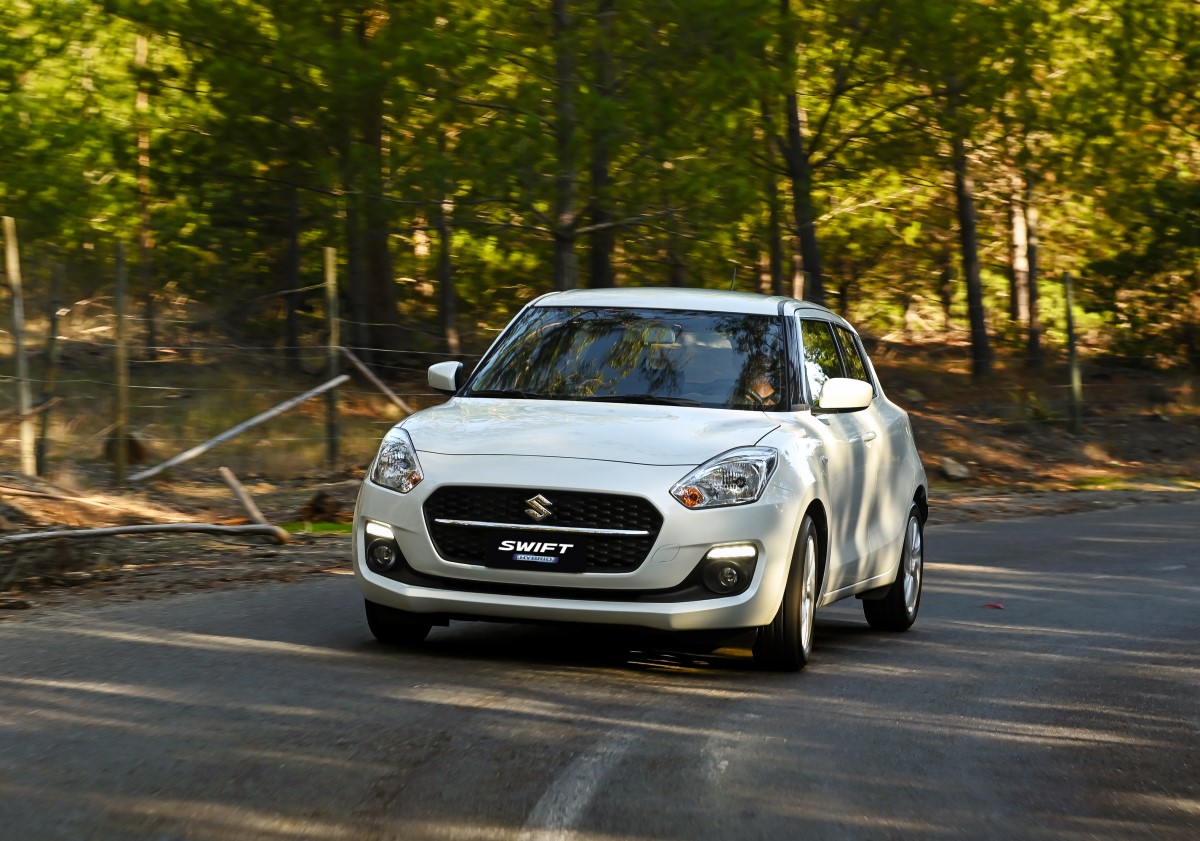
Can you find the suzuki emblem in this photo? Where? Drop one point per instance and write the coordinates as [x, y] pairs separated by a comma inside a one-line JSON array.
[[539, 508]]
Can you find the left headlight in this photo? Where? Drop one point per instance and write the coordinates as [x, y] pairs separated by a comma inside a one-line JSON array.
[[396, 466], [733, 478]]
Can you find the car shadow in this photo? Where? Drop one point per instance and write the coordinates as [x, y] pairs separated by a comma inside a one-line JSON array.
[[613, 647]]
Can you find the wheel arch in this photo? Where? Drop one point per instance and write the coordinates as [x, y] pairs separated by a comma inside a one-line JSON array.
[[820, 520], [921, 500]]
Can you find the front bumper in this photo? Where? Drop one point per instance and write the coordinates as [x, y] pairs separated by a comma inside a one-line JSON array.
[[610, 598]]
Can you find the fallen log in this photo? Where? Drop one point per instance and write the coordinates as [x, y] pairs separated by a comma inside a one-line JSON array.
[[243, 496], [275, 532]]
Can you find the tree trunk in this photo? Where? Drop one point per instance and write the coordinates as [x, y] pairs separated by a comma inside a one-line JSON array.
[[145, 233], [676, 265], [1018, 259], [964, 189], [291, 281], [566, 268], [946, 286], [381, 318], [356, 279], [1034, 349], [677, 274], [381, 298], [603, 237], [447, 299], [800, 170], [774, 215]]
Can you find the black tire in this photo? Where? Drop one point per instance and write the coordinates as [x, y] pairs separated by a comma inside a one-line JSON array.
[[786, 644], [396, 627], [898, 609]]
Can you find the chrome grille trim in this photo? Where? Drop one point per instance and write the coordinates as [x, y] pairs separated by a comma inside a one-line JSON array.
[[543, 527]]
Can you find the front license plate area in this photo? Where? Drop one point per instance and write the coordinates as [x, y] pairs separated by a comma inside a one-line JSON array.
[[542, 551]]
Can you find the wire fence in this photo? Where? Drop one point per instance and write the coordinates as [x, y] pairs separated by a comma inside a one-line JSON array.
[[194, 384]]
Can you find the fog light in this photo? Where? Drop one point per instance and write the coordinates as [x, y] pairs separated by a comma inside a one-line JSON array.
[[728, 569], [723, 577], [382, 555]]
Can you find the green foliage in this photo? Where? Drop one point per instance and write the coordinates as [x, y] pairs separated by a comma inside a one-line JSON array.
[[390, 130]]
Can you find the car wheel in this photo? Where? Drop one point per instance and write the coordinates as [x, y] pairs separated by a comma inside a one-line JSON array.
[[897, 610], [396, 627], [786, 644]]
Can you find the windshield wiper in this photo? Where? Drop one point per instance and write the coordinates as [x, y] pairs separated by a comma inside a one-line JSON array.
[[641, 398], [508, 392]]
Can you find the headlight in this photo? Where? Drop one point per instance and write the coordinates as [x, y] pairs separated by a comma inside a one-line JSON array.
[[396, 466], [733, 478]]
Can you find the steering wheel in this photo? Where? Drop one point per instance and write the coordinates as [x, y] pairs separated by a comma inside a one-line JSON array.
[[761, 401]]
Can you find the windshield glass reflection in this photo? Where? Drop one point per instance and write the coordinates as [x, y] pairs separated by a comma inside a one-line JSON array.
[[671, 357]]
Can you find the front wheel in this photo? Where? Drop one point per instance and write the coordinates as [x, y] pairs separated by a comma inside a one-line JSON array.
[[396, 627], [786, 644], [897, 610]]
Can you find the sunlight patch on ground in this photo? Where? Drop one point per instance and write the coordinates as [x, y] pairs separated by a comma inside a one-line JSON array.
[[119, 689], [204, 642], [1161, 803], [219, 821]]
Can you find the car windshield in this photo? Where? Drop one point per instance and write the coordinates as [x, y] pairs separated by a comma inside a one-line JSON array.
[[669, 357]]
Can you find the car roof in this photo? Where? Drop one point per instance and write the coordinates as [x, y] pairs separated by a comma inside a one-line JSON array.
[[677, 298]]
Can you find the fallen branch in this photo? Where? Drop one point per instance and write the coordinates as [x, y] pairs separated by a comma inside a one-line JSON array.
[[200, 449], [16, 417], [243, 496], [279, 535], [375, 381], [5, 490]]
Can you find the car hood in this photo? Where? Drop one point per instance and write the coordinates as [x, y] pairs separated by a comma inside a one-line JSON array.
[[636, 434]]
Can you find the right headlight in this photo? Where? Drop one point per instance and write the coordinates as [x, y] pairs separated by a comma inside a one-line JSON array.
[[396, 466], [737, 477]]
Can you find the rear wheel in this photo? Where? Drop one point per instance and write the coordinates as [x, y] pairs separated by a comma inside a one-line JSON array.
[[897, 610], [396, 627], [786, 644]]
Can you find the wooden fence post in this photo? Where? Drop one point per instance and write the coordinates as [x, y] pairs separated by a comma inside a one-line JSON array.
[[335, 341], [13, 267], [51, 375]]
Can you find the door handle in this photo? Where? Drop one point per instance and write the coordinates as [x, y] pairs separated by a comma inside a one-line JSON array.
[[868, 436]]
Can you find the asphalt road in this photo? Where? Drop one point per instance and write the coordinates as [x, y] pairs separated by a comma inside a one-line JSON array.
[[269, 713]]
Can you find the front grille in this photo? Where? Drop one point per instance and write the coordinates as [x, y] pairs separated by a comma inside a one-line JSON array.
[[572, 509]]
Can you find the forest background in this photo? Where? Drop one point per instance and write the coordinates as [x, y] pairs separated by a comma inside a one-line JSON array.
[[929, 168]]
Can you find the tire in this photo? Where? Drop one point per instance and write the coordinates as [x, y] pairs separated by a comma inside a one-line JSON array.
[[897, 610], [396, 627], [786, 644]]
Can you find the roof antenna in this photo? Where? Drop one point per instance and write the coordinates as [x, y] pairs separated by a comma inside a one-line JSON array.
[[734, 277]]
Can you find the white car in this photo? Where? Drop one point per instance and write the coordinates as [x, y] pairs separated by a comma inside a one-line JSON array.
[[660, 458]]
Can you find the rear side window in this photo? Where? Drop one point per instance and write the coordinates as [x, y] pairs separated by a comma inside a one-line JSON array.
[[821, 358], [856, 368]]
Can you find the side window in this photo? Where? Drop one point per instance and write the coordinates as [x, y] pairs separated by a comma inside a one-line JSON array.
[[855, 366], [821, 359]]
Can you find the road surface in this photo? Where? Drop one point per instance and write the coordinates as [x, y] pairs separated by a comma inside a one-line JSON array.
[[1071, 712]]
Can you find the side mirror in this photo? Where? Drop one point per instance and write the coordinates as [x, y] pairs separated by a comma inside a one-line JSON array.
[[446, 377], [845, 395]]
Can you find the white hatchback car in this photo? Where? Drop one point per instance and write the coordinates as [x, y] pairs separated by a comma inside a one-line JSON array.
[[662, 458]]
